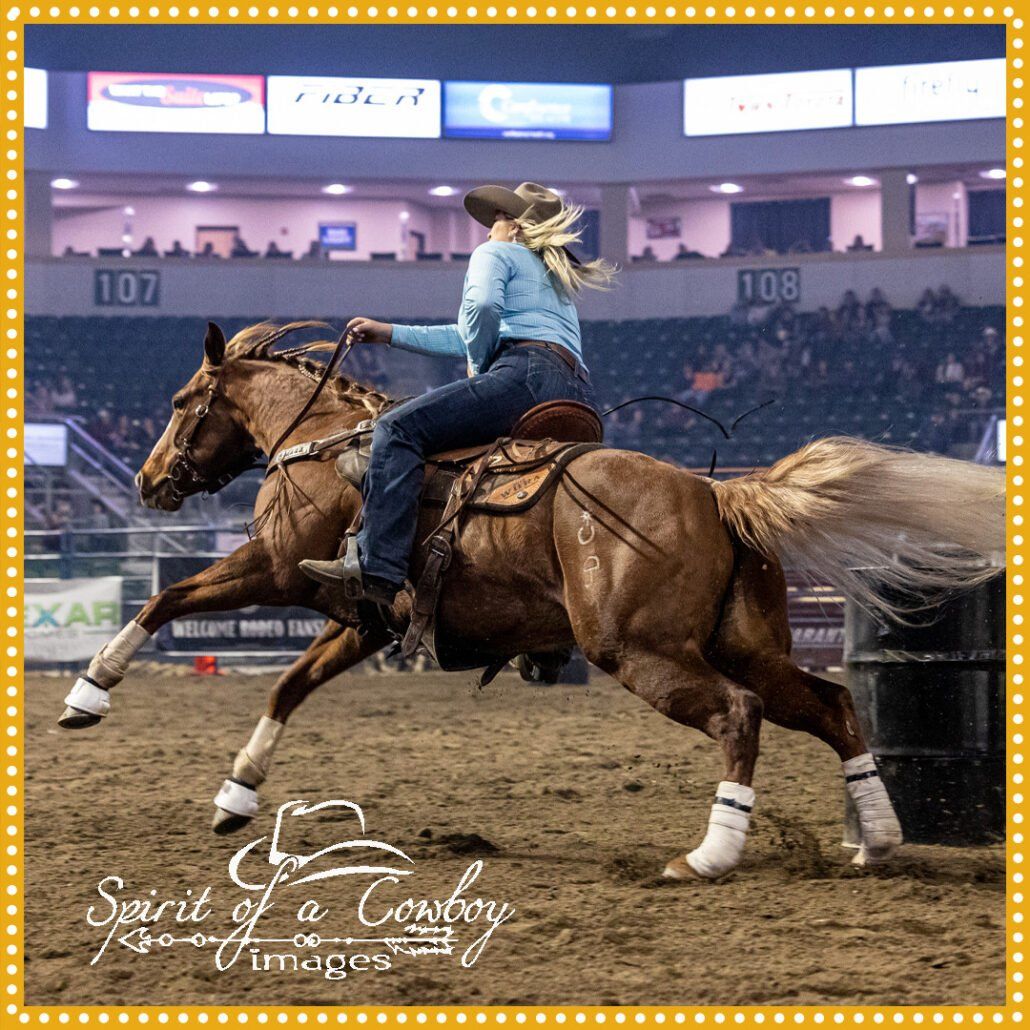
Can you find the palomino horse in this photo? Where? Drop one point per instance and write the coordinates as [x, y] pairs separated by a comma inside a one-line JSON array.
[[667, 581]]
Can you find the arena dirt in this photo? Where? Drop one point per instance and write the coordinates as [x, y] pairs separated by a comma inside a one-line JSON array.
[[573, 797]]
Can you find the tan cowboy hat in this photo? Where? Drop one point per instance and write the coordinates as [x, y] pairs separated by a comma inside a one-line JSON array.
[[529, 202]]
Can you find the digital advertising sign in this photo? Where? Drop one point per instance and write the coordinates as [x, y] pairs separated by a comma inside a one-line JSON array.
[[304, 105], [142, 102], [35, 98], [784, 102], [945, 92], [527, 110], [338, 235]]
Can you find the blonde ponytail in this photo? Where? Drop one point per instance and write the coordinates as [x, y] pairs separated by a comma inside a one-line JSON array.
[[547, 239]]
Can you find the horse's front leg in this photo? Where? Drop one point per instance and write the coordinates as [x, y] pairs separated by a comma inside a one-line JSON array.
[[337, 648], [242, 578]]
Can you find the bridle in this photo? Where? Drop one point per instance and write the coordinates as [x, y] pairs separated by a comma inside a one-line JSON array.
[[187, 478]]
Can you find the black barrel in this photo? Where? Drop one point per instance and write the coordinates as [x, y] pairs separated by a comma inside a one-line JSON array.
[[931, 699]]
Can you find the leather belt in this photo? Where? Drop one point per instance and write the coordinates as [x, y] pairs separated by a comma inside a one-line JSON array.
[[562, 352]]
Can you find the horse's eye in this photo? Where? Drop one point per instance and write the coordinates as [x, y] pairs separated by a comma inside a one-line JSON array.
[[178, 403]]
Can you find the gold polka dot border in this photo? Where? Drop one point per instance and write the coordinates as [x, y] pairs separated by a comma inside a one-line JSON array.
[[507, 13], [13, 18]]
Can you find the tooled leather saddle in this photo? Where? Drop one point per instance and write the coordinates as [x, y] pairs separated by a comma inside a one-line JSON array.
[[504, 477]]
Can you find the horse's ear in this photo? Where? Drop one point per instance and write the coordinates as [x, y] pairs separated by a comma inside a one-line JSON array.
[[214, 345]]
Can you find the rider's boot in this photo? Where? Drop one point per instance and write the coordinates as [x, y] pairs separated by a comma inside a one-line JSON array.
[[346, 572]]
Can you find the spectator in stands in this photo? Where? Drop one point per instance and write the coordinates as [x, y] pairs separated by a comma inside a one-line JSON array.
[[314, 250], [209, 250], [57, 520], [149, 248], [686, 394], [274, 251], [239, 248], [801, 246], [936, 436], [847, 312], [859, 244], [63, 397], [947, 306], [950, 371], [101, 427], [647, 254], [40, 400], [927, 305], [98, 518], [177, 251], [706, 382], [684, 254]]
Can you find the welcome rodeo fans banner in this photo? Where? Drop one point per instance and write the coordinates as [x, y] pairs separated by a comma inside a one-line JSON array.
[[70, 619], [265, 630]]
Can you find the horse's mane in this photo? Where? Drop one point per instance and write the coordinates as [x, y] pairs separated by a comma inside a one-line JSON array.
[[257, 343]]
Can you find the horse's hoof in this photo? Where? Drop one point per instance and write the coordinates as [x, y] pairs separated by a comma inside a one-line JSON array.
[[228, 822], [680, 869], [875, 856], [76, 719]]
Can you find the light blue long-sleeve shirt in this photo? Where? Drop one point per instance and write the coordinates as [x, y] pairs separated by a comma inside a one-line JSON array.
[[508, 295]]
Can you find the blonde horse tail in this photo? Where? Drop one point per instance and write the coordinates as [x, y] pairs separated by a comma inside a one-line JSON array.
[[893, 529]]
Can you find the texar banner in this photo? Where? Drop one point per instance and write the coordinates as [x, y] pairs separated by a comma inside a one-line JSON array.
[[67, 620], [253, 629]]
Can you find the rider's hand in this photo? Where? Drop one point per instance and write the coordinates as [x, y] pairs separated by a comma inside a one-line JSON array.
[[367, 330]]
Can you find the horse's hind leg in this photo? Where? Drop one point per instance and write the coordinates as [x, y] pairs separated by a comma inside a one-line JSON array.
[[752, 644], [334, 650], [690, 691], [800, 701]]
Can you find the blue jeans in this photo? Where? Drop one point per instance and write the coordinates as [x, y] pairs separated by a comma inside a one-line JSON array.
[[462, 414]]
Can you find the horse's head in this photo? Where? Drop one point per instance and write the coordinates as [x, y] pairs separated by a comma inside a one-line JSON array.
[[204, 445]]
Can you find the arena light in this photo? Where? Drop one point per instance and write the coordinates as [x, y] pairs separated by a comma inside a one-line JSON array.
[[64, 184], [911, 178], [201, 186], [861, 180], [442, 191], [727, 187], [337, 189], [993, 173]]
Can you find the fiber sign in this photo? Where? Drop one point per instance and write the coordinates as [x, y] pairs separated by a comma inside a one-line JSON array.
[[139, 102], [784, 102], [527, 110], [945, 92], [318, 106]]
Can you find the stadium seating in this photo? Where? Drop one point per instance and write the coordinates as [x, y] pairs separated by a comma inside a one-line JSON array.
[[880, 388]]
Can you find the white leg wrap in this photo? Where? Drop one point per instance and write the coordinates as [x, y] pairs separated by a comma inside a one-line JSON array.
[[881, 831], [237, 799], [253, 762], [723, 845], [88, 697], [109, 666]]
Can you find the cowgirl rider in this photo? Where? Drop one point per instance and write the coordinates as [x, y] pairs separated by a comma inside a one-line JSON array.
[[518, 332]]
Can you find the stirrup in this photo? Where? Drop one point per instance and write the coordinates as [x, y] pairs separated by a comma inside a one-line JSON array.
[[343, 572], [353, 587]]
